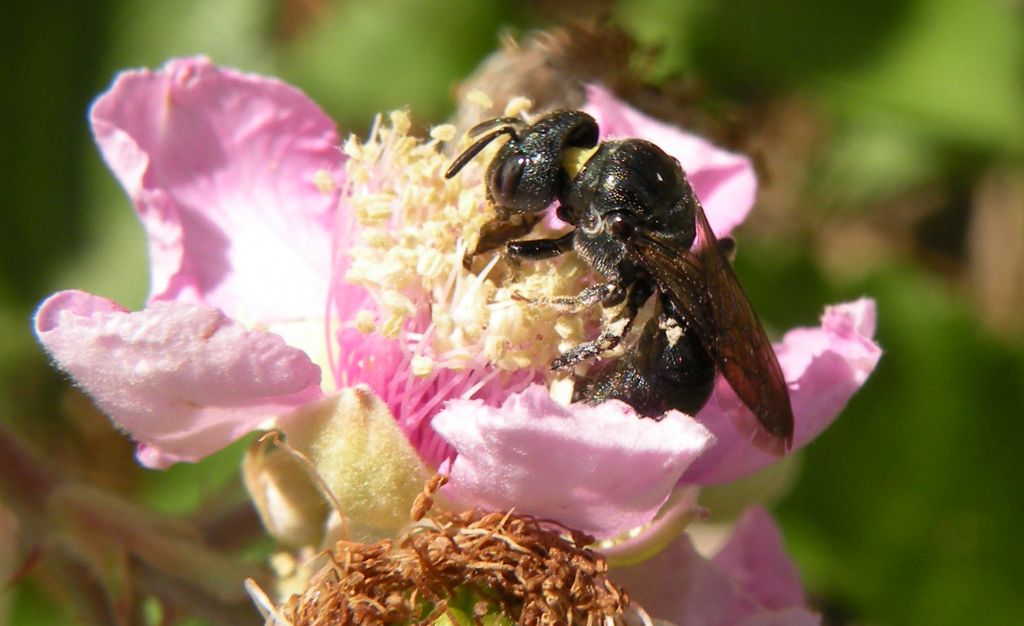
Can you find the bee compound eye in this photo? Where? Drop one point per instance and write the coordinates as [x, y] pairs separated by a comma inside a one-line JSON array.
[[506, 176], [619, 226]]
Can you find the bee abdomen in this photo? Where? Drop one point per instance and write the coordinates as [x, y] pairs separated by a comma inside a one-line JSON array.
[[668, 369]]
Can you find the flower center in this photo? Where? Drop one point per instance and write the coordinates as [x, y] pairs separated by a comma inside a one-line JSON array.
[[412, 252]]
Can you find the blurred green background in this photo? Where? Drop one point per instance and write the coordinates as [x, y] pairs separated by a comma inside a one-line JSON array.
[[890, 136]]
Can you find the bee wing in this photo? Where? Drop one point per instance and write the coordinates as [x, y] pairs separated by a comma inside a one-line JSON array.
[[702, 284]]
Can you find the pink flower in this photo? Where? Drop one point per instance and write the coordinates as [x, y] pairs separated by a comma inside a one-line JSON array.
[[236, 180], [749, 582], [285, 268], [823, 366]]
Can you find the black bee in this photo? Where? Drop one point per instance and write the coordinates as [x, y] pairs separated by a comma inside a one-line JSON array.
[[640, 226]]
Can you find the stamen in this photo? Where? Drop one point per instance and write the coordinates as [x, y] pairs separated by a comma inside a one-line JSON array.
[[491, 563], [480, 99], [417, 325]]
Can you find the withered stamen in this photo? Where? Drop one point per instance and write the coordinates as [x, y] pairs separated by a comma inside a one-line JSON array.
[[509, 563]]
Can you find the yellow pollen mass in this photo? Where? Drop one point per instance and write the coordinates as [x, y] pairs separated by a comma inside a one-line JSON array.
[[575, 158]]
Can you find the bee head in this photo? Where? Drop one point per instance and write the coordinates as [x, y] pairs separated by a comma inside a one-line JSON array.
[[530, 172]]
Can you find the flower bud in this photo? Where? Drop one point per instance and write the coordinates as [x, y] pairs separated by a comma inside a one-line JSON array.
[[361, 456]]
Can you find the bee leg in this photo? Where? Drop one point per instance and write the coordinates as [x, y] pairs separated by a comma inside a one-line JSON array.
[[606, 294], [613, 332], [496, 232], [537, 249], [610, 337]]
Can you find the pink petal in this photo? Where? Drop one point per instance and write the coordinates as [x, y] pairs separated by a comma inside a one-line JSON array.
[[231, 175], [182, 378], [724, 181], [793, 616], [682, 587], [824, 367], [599, 469], [756, 559], [750, 581]]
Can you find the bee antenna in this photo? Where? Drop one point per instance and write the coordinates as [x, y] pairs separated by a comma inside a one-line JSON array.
[[494, 121], [467, 156]]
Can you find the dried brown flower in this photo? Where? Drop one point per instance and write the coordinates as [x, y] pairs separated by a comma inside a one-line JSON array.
[[528, 571]]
